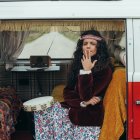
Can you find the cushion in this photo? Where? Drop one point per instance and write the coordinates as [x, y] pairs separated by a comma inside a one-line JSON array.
[[57, 93]]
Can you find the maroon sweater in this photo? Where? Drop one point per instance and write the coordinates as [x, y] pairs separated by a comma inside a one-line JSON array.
[[87, 87]]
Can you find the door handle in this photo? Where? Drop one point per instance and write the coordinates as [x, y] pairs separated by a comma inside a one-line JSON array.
[[138, 102]]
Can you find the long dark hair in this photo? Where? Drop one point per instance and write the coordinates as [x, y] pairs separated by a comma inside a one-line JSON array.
[[101, 56]]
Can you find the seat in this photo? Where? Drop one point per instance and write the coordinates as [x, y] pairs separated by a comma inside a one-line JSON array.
[[114, 105]]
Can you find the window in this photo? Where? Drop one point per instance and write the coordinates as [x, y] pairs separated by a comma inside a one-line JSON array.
[[56, 38], [56, 44]]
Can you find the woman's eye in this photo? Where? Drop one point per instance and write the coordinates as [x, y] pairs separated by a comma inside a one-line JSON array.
[[93, 44], [85, 44]]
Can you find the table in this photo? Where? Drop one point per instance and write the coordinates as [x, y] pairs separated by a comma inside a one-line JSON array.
[[29, 68], [33, 76]]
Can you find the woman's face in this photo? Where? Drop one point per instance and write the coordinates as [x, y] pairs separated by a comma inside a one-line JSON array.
[[90, 45]]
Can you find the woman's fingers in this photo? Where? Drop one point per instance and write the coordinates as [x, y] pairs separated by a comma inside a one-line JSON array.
[[88, 55], [82, 61], [95, 100], [84, 57], [93, 63], [86, 60]]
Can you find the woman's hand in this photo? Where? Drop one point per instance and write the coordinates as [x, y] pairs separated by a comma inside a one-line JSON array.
[[94, 100], [86, 61]]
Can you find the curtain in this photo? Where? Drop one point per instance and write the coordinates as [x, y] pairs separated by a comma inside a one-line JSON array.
[[11, 44], [112, 38], [73, 25], [116, 46]]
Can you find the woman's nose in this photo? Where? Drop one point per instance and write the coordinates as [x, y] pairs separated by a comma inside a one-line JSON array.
[[88, 46]]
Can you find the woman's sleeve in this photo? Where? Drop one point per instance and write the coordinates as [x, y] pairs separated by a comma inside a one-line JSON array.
[[71, 98], [69, 93], [89, 86]]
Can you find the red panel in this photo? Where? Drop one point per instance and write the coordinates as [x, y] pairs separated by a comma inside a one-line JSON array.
[[130, 111], [136, 110]]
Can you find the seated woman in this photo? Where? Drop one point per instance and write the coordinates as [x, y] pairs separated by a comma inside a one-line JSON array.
[[83, 105]]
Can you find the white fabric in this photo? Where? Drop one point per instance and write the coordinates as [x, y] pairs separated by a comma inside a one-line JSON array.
[[40, 103], [82, 72]]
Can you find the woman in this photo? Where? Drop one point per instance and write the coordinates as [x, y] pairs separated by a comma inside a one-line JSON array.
[[89, 78]]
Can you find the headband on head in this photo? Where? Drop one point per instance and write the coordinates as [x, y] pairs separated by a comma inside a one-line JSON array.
[[91, 37]]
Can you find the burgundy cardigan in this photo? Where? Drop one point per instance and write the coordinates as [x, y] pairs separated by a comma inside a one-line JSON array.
[[88, 85]]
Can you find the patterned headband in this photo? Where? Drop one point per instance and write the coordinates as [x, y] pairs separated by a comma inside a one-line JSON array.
[[91, 37]]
